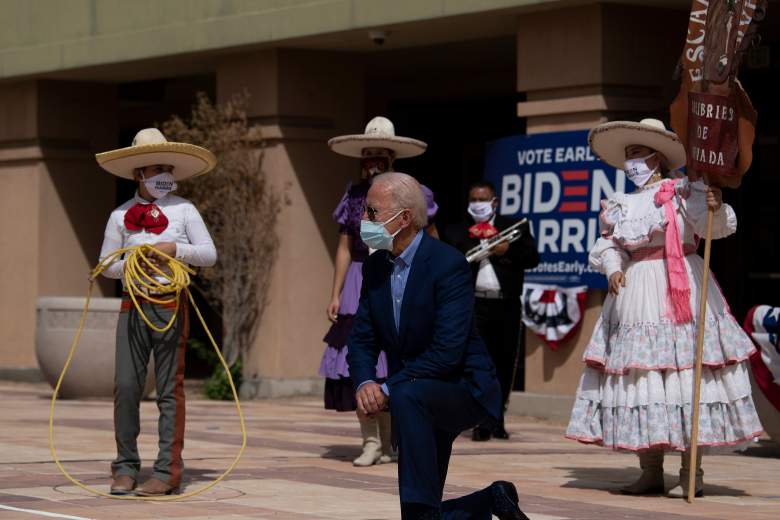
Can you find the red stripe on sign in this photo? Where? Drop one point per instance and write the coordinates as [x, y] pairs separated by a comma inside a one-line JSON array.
[[570, 191], [571, 207], [575, 175]]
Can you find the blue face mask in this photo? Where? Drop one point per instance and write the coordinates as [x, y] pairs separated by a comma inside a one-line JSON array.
[[374, 234]]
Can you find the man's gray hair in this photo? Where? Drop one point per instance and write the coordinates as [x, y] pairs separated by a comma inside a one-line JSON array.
[[406, 193]]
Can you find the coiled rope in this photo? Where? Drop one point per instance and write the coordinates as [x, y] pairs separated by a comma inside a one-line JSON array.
[[142, 280]]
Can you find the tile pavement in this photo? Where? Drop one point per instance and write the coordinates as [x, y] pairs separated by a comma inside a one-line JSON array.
[[297, 466]]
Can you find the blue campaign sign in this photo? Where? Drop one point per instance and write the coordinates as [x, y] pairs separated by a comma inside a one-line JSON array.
[[556, 182]]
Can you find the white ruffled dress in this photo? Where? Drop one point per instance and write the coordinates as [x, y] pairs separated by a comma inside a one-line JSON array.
[[636, 390]]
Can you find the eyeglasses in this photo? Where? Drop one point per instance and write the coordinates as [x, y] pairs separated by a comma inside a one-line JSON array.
[[373, 212]]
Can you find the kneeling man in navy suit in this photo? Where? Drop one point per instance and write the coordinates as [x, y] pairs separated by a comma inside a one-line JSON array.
[[417, 305]]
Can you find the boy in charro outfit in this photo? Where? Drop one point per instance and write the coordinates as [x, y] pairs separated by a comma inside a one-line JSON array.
[[174, 226]]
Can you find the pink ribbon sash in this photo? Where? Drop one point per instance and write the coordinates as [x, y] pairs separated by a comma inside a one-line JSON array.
[[679, 288]]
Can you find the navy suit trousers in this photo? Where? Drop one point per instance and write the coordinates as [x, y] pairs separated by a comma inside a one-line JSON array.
[[429, 414]]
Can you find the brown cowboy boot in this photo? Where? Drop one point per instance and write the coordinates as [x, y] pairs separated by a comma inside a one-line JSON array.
[[681, 489], [155, 487], [122, 485], [651, 481]]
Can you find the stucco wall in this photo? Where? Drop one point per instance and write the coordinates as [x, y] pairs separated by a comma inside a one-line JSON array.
[[47, 36], [300, 99], [54, 200]]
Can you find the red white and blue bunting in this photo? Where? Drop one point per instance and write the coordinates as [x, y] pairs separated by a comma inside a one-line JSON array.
[[553, 313], [761, 326]]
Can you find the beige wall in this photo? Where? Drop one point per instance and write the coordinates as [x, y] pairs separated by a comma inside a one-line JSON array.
[[18, 243], [54, 200], [300, 99], [584, 65], [557, 372], [52, 36], [579, 67], [18, 112]]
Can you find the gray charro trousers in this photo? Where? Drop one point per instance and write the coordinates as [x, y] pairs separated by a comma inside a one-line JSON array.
[[135, 342]]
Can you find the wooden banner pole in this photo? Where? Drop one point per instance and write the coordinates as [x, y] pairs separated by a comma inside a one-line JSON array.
[[699, 356]]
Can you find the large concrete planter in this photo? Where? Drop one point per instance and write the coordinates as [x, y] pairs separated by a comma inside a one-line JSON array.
[[91, 374]]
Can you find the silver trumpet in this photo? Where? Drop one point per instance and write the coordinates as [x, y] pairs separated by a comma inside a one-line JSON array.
[[509, 235]]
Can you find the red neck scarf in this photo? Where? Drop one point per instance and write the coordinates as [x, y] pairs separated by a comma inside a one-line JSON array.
[[147, 217]]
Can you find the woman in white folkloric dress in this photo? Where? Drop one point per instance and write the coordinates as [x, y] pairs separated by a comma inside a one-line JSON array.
[[636, 390]]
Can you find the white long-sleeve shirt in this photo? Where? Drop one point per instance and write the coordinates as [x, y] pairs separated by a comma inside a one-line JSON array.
[[186, 229], [486, 276], [633, 221]]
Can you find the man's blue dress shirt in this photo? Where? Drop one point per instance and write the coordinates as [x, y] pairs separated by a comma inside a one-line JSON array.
[[402, 264]]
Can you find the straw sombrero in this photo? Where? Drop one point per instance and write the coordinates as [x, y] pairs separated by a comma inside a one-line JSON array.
[[150, 147], [380, 133], [609, 141]]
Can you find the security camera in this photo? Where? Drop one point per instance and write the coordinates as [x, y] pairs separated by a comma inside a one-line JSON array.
[[378, 37]]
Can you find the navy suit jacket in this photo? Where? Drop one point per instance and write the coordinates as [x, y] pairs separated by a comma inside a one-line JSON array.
[[436, 337]]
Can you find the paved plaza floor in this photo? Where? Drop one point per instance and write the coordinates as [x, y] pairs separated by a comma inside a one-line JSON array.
[[298, 466]]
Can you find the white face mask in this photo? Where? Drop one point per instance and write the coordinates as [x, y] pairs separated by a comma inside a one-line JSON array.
[[638, 171], [481, 211], [160, 185]]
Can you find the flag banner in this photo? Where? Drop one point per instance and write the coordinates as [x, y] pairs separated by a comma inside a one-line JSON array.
[[719, 33], [761, 326], [712, 134], [553, 313]]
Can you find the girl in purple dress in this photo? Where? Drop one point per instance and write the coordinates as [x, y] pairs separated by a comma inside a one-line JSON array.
[[377, 148]]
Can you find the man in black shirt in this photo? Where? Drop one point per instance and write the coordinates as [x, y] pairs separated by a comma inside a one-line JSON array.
[[498, 285]]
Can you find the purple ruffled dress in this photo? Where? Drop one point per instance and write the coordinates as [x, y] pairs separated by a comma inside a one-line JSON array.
[[339, 392]]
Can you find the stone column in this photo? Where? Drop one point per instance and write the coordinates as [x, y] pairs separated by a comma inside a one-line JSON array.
[[579, 67], [299, 99], [54, 201], [585, 65]]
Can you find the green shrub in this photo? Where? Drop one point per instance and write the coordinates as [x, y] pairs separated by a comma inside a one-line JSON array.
[[217, 385]]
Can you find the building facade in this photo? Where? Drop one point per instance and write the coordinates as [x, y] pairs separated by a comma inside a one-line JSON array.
[[82, 76]]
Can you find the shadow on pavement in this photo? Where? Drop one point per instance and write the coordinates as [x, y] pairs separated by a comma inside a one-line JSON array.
[[343, 452], [611, 480], [764, 449]]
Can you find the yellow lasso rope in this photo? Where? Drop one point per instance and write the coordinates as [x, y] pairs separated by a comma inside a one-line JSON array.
[[139, 282]]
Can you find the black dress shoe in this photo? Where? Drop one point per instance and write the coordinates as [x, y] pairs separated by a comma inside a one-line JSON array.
[[499, 432], [480, 434], [505, 503]]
